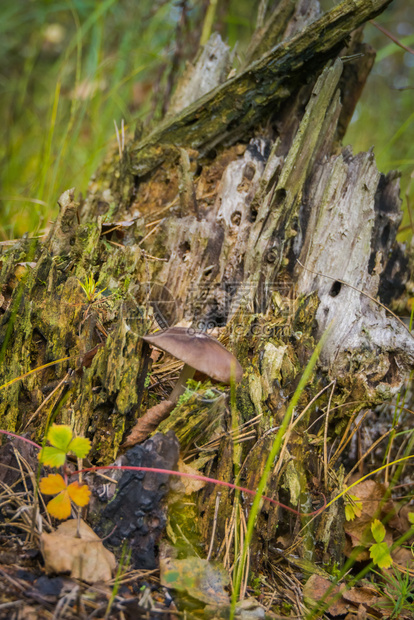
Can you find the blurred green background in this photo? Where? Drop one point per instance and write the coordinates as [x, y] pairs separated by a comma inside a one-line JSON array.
[[70, 68]]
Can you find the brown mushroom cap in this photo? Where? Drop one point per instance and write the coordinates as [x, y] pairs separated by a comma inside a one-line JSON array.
[[199, 351]]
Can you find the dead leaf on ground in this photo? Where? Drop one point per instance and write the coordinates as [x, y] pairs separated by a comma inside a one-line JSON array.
[[401, 523], [203, 580], [187, 485], [84, 558], [371, 495], [361, 614], [361, 596], [403, 557], [315, 590], [148, 423]]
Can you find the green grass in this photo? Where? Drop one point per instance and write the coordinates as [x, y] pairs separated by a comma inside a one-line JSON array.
[[70, 69], [384, 115]]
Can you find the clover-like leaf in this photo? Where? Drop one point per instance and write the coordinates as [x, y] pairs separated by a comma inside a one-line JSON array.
[[52, 484], [63, 442], [80, 446], [79, 493], [52, 457], [411, 517], [60, 436], [378, 531], [380, 555], [60, 506]]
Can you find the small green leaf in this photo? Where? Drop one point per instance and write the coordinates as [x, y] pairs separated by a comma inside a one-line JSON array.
[[378, 530], [349, 512], [380, 555], [60, 436], [80, 446], [353, 507], [52, 457], [411, 517]]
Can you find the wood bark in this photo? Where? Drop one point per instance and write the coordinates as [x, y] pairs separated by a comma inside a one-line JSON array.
[[201, 222]]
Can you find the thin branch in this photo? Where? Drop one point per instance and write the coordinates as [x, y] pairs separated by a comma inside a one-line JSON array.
[[392, 37]]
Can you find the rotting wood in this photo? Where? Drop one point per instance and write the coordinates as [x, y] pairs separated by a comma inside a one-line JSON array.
[[223, 115]]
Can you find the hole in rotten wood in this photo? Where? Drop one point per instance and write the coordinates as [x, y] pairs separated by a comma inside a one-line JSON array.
[[385, 235], [336, 289], [184, 249], [236, 218], [279, 196], [249, 171]]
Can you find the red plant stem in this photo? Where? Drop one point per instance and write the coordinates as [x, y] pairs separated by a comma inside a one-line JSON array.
[[182, 474], [20, 437]]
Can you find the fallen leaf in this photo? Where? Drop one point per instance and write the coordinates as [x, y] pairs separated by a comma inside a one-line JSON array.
[[190, 484], [85, 360], [361, 596], [371, 502], [315, 590], [203, 580], [403, 559], [84, 558], [148, 423]]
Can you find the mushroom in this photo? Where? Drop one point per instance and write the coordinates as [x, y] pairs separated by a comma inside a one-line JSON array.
[[199, 352]]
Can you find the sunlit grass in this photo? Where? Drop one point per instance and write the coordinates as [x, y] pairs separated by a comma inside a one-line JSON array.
[[384, 117], [69, 70]]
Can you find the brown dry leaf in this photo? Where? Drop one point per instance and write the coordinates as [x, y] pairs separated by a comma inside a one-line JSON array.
[[148, 423], [361, 596], [84, 558], [29, 613], [315, 589], [401, 522], [85, 360], [361, 614], [190, 485], [403, 558], [371, 495]]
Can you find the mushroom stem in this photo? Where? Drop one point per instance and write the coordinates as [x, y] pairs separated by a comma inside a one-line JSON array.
[[179, 388]]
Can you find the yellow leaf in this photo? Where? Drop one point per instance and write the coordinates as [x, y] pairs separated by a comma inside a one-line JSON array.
[[79, 493], [52, 457], [59, 506], [60, 436], [52, 484], [80, 446]]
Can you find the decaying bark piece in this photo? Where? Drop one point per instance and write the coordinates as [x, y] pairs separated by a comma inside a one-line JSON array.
[[225, 114], [209, 70]]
